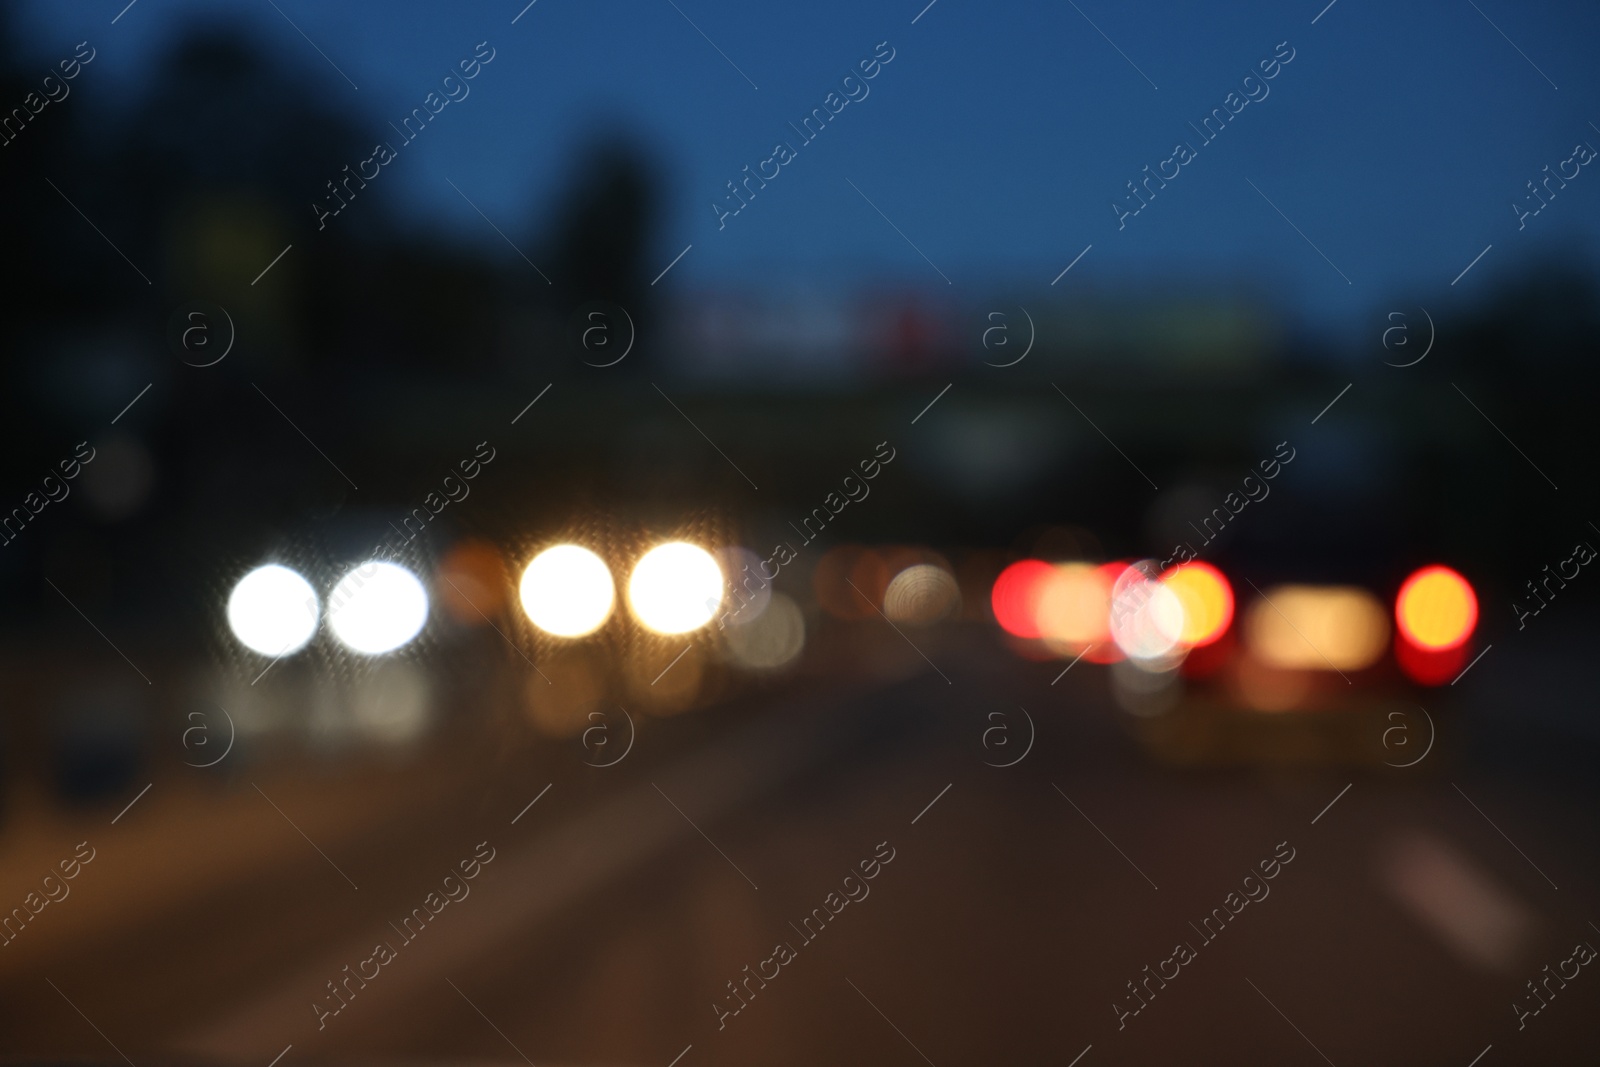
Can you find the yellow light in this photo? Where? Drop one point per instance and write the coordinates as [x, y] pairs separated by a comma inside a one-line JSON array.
[[1436, 609], [1074, 606], [675, 588], [1207, 601], [1317, 628], [567, 591]]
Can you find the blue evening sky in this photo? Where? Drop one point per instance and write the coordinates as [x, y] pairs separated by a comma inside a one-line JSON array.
[[996, 140]]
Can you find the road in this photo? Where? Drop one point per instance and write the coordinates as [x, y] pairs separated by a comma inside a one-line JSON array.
[[1020, 907]]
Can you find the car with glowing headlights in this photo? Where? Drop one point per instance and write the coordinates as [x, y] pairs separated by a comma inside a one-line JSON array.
[[380, 650]]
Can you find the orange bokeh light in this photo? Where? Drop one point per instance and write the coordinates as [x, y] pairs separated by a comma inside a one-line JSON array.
[[473, 582], [1108, 651], [1074, 607], [1436, 609], [1207, 601]]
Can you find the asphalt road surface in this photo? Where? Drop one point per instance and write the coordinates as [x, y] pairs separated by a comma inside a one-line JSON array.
[[1017, 914]]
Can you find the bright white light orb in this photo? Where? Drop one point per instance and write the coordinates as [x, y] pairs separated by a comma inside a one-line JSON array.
[[567, 591], [377, 607], [273, 611], [1146, 616], [675, 588]]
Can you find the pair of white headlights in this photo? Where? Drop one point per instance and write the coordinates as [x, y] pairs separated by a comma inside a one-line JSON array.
[[566, 590], [376, 607]]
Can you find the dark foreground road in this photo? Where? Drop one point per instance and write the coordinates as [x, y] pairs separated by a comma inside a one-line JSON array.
[[657, 909]]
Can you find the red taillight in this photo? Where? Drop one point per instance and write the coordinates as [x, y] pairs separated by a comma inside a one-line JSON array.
[[1430, 666], [1016, 596]]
